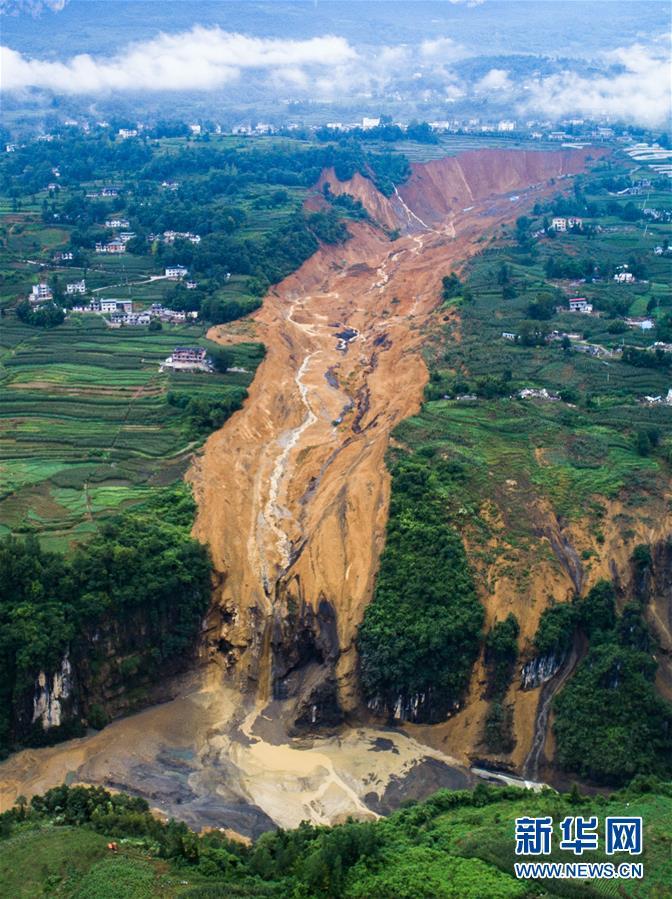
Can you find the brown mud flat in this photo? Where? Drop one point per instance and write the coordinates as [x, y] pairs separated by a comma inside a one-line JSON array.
[[292, 498]]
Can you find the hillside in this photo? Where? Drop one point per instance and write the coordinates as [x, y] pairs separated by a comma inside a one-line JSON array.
[[420, 568], [80, 843]]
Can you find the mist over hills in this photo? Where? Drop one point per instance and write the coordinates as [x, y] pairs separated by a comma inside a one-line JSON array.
[[314, 61]]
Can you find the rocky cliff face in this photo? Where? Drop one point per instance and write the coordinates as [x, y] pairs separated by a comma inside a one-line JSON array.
[[110, 670], [55, 697]]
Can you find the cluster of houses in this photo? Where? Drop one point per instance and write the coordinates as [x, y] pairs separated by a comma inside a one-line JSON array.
[[103, 306], [187, 358], [156, 310], [121, 312], [169, 237]]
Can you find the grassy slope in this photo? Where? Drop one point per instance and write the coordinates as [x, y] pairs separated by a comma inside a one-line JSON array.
[[431, 850]]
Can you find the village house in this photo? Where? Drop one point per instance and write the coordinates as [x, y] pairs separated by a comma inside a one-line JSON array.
[[659, 400], [566, 224], [191, 285], [624, 278], [76, 287], [125, 236], [109, 192], [185, 358], [509, 335], [135, 319], [580, 304], [176, 272], [112, 247], [116, 223], [40, 293], [170, 237], [641, 322], [125, 133], [63, 257], [111, 306], [533, 393], [170, 185]]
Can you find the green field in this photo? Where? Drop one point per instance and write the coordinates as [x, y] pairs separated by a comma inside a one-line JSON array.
[[85, 426]]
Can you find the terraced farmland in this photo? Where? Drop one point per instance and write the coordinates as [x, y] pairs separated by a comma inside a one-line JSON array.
[[85, 423]]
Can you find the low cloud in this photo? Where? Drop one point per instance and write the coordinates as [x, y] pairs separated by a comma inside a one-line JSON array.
[[636, 88], [200, 59], [495, 80], [628, 83]]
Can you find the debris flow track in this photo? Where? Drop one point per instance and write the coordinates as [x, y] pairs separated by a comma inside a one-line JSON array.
[[292, 498]]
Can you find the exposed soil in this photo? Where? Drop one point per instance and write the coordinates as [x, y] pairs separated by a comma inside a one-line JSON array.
[[292, 497]]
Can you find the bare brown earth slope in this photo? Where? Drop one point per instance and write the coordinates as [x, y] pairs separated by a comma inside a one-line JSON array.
[[292, 497]]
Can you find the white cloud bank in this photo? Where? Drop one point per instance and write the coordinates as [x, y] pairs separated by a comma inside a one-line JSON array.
[[630, 83], [200, 59], [638, 90]]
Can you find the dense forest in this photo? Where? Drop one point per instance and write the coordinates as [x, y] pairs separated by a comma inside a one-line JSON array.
[[420, 634], [122, 610]]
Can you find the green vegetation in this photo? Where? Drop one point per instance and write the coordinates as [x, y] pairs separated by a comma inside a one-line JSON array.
[[495, 460], [420, 633], [90, 424], [456, 845], [244, 201], [610, 723], [121, 611]]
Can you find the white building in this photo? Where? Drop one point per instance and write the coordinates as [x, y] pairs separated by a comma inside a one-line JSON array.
[[624, 277], [116, 306], [565, 224], [40, 293], [644, 324], [170, 237], [505, 125], [113, 247], [580, 304], [116, 223], [76, 287], [124, 133], [176, 272], [369, 123]]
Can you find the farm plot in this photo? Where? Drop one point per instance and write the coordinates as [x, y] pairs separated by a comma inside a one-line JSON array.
[[86, 422]]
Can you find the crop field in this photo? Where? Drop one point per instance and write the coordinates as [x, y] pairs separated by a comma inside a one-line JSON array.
[[85, 426], [572, 453]]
